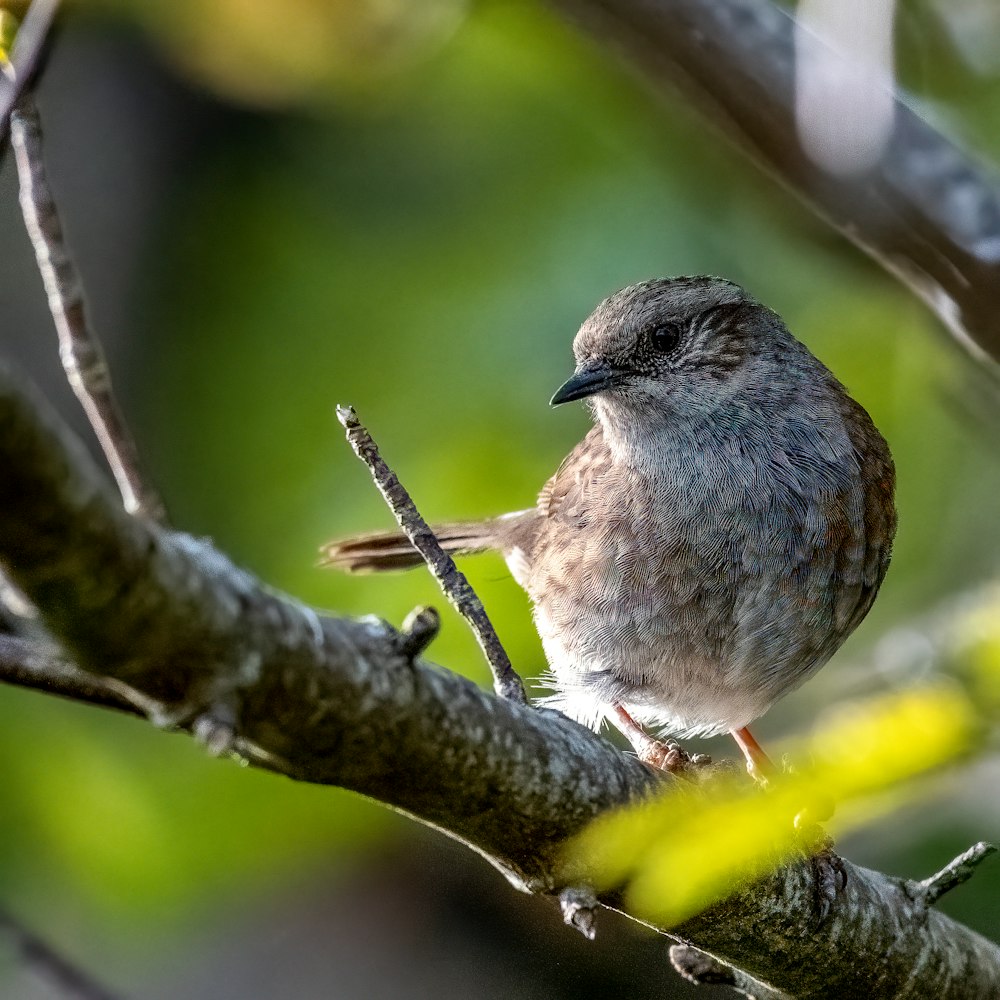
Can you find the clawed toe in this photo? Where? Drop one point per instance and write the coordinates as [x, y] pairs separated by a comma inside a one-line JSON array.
[[669, 756], [830, 880], [829, 871], [665, 756]]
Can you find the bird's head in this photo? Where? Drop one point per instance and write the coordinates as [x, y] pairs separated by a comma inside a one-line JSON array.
[[676, 346]]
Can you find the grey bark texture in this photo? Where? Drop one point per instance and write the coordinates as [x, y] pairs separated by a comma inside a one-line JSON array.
[[165, 625]]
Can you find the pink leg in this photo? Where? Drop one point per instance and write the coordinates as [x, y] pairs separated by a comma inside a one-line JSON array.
[[758, 763], [662, 756]]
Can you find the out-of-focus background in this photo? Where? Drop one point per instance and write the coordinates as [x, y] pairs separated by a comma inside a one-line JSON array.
[[411, 207]]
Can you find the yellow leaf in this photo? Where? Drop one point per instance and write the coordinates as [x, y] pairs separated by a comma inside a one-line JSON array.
[[692, 846], [8, 29]]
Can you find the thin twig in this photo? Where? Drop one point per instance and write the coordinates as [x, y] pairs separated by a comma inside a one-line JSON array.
[[50, 965], [450, 578], [36, 666], [80, 350], [957, 871], [29, 44]]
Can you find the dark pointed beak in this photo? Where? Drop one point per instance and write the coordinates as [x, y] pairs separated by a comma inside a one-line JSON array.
[[585, 381]]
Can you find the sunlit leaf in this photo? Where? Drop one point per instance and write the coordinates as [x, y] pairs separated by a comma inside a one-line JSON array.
[[276, 52], [8, 29], [695, 844]]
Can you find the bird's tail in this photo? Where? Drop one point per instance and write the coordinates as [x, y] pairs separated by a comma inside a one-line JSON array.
[[389, 550]]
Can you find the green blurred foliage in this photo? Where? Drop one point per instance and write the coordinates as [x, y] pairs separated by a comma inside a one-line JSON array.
[[423, 244]]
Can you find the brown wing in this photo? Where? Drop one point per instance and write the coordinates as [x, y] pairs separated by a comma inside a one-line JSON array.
[[562, 495], [879, 484], [562, 498]]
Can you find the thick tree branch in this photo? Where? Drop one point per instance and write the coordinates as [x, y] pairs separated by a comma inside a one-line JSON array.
[[928, 212], [341, 702]]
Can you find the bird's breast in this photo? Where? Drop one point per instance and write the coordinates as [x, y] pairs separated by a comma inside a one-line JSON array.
[[736, 569]]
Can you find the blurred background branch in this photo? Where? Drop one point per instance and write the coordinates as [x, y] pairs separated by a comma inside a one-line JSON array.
[[926, 210], [67, 979]]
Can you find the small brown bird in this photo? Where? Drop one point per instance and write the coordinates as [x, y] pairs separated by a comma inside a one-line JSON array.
[[712, 541]]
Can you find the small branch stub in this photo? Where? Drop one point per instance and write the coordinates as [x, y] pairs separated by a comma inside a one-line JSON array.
[[420, 629], [702, 969], [216, 731], [579, 909], [697, 967], [957, 871], [450, 578]]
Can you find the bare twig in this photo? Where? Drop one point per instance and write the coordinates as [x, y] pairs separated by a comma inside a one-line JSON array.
[[49, 965], [28, 48], [957, 871], [79, 347], [35, 666], [450, 578]]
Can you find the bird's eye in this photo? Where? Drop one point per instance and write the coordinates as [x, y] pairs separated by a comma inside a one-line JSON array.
[[665, 337]]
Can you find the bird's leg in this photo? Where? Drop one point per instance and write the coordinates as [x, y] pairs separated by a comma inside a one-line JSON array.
[[759, 765], [662, 756]]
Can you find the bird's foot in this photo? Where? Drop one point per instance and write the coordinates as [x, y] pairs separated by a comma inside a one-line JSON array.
[[670, 756], [660, 756], [759, 765], [829, 871]]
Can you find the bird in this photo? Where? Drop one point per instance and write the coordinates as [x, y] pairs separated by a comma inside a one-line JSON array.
[[715, 537]]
